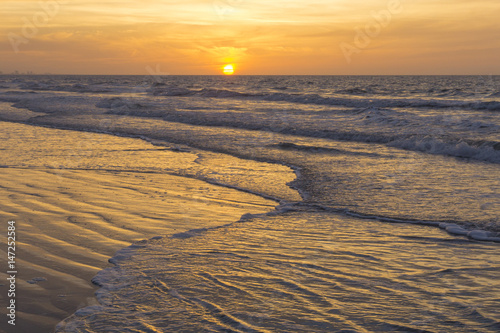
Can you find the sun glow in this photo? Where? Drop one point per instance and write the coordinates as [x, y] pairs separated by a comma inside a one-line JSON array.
[[228, 69], [269, 37]]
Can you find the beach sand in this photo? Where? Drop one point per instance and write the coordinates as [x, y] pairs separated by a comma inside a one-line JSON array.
[[77, 198]]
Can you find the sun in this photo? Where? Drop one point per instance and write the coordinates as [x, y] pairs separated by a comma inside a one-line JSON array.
[[228, 69]]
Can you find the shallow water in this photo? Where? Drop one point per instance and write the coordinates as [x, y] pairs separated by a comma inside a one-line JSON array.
[[296, 272], [345, 157], [79, 197], [415, 148]]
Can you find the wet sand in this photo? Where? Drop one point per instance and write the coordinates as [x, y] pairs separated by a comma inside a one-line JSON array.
[[77, 198]]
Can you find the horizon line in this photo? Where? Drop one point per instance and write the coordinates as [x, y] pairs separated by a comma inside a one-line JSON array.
[[223, 75]]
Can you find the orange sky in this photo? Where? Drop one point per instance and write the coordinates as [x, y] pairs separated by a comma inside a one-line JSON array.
[[258, 37]]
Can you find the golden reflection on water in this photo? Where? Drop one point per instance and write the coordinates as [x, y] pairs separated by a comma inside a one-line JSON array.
[[79, 197], [309, 271]]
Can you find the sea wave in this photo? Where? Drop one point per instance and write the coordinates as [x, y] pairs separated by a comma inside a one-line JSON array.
[[407, 135], [318, 99], [478, 150], [324, 268]]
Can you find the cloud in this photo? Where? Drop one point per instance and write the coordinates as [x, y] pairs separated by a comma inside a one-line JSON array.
[[287, 36]]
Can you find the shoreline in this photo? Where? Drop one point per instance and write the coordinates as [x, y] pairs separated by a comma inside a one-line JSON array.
[[374, 183], [472, 231], [70, 222]]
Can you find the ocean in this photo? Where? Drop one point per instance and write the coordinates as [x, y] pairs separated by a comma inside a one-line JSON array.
[[386, 192]]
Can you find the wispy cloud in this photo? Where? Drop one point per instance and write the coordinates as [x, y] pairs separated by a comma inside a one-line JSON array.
[[264, 37]]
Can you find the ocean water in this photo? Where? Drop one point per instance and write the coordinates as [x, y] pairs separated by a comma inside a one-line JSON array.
[[391, 223]]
